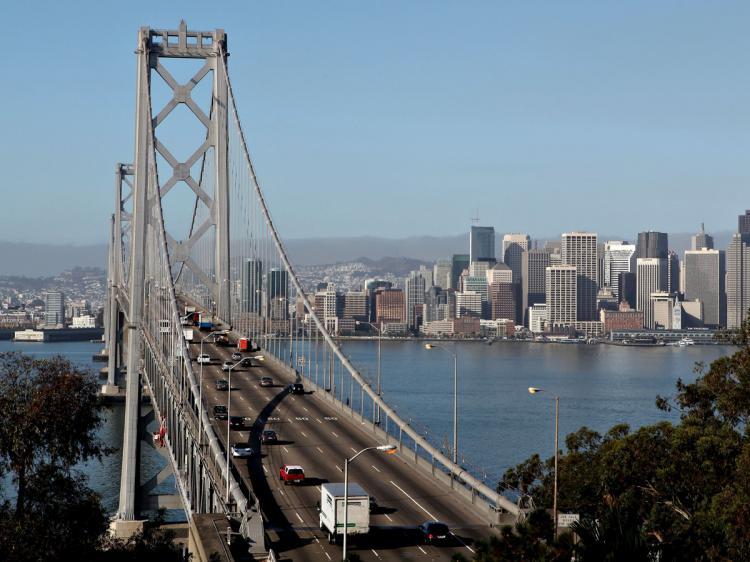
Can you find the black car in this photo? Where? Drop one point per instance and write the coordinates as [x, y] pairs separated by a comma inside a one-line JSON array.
[[236, 356], [236, 422], [220, 412], [247, 362], [269, 436], [222, 384], [297, 388], [434, 532]]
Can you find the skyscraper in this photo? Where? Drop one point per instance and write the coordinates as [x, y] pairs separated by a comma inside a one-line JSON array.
[[579, 249], [673, 273], [704, 280], [414, 288], [459, 262], [562, 295], [277, 294], [626, 288], [701, 240], [514, 245], [738, 279], [618, 258], [534, 264], [652, 245], [441, 274], [743, 223], [252, 285], [54, 308], [651, 275], [482, 243], [389, 307]]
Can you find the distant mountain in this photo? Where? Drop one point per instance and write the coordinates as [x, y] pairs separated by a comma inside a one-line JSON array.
[[35, 260]]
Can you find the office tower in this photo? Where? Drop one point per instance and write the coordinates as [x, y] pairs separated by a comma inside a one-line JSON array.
[[479, 268], [662, 304], [705, 273], [427, 274], [579, 249], [372, 285], [355, 306], [441, 274], [618, 258], [514, 245], [738, 280], [414, 288], [504, 300], [468, 303], [743, 223], [479, 285], [562, 295], [673, 272], [651, 274], [702, 240], [433, 299], [277, 294], [652, 245], [537, 317], [626, 288], [252, 285], [389, 307], [482, 243], [459, 262], [54, 308], [534, 264]]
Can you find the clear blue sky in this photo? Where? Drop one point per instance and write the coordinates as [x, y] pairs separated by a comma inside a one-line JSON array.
[[403, 118]]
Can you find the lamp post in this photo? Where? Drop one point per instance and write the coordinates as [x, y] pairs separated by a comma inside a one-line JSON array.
[[200, 389], [389, 450], [534, 390], [377, 384], [429, 346]]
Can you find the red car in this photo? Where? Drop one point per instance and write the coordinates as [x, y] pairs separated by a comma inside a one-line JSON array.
[[291, 473]]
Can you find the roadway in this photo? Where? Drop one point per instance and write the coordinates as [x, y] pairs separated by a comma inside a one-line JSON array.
[[313, 434]]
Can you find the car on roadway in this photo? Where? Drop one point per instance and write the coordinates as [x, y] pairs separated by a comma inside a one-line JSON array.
[[222, 384], [220, 412], [291, 473], [236, 356], [247, 362], [242, 450], [434, 532], [297, 388], [236, 422], [266, 381], [226, 365], [269, 436], [204, 358]]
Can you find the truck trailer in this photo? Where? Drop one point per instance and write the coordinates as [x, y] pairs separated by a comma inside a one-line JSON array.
[[332, 510]]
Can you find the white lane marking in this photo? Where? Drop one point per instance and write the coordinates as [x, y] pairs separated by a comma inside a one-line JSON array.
[[316, 540], [352, 448], [388, 517], [339, 468], [415, 501], [422, 549], [285, 449], [282, 492], [317, 420], [303, 434], [298, 517], [327, 555], [336, 436], [319, 450], [305, 409], [375, 467], [375, 553], [265, 469], [290, 420]]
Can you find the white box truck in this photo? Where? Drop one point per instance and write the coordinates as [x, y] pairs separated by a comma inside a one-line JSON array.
[[332, 510], [188, 334]]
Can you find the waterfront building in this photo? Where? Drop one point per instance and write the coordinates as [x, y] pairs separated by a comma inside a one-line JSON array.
[[534, 264], [500, 328], [701, 240], [464, 326], [738, 280], [355, 306], [389, 307], [579, 249], [84, 322], [618, 258], [482, 244], [459, 262], [589, 328], [538, 318], [562, 295], [441, 274], [414, 289], [468, 303], [650, 273], [251, 285], [624, 318], [54, 309], [705, 275], [514, 245], [662, 303]]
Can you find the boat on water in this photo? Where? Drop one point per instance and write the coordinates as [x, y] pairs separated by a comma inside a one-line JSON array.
[[684, 342]]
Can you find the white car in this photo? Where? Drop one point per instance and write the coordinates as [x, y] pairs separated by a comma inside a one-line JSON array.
[[204, 358], [242, 450]]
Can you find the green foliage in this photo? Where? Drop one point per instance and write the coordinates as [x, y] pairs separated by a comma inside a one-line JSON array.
[[673, 491]]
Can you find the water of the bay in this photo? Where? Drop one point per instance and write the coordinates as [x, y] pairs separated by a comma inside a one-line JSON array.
[[500, 423]]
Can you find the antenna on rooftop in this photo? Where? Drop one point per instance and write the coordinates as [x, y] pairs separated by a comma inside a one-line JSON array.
[[475, 218]]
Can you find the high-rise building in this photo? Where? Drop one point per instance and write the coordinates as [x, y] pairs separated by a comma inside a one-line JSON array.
[[277, 294], [372, 285], [743, 223], [705, 273], [627, 288], [738, 280], [673, 272], [701, 240], [534, 264], [252, 285], [459, 262], [651, 274], [562, 295], [579, 249], [662, 304], [427, 274], [618, 258], [468, 303], [355, 306], [514, 245], [414, 288], [54, 308], [479, 268], [537, 318], [482, 243], [441, 274], [479, 285], [389, 307], [504, 300], [652, 245]]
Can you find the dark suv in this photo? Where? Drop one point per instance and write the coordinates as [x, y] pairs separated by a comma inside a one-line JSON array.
[[297, 388], [222, 384], [220, 412], [237, 422], [434, 532]]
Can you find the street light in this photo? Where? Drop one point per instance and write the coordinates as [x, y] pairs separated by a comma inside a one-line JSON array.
[[535, 390], [380, 341], [429, 346], [387, 449], [200, 389]]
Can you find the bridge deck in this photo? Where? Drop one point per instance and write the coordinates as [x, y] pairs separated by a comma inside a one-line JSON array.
[[312, 433]]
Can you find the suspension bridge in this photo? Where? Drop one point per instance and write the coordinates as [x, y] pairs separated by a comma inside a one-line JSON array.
[[215, 250]]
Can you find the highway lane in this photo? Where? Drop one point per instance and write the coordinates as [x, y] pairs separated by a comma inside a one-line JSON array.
[[313, 435]]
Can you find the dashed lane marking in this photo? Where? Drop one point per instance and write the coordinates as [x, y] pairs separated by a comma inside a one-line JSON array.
[[334, 434], [415, 501], [303, 434], [388, 517], [285, 449], [422, 549], [317, 420], [265, 469], [375, 553], [298, 517], [339, 468], [327, 555], [305, 409], [319, 450], [352, 448], [375, 467]]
